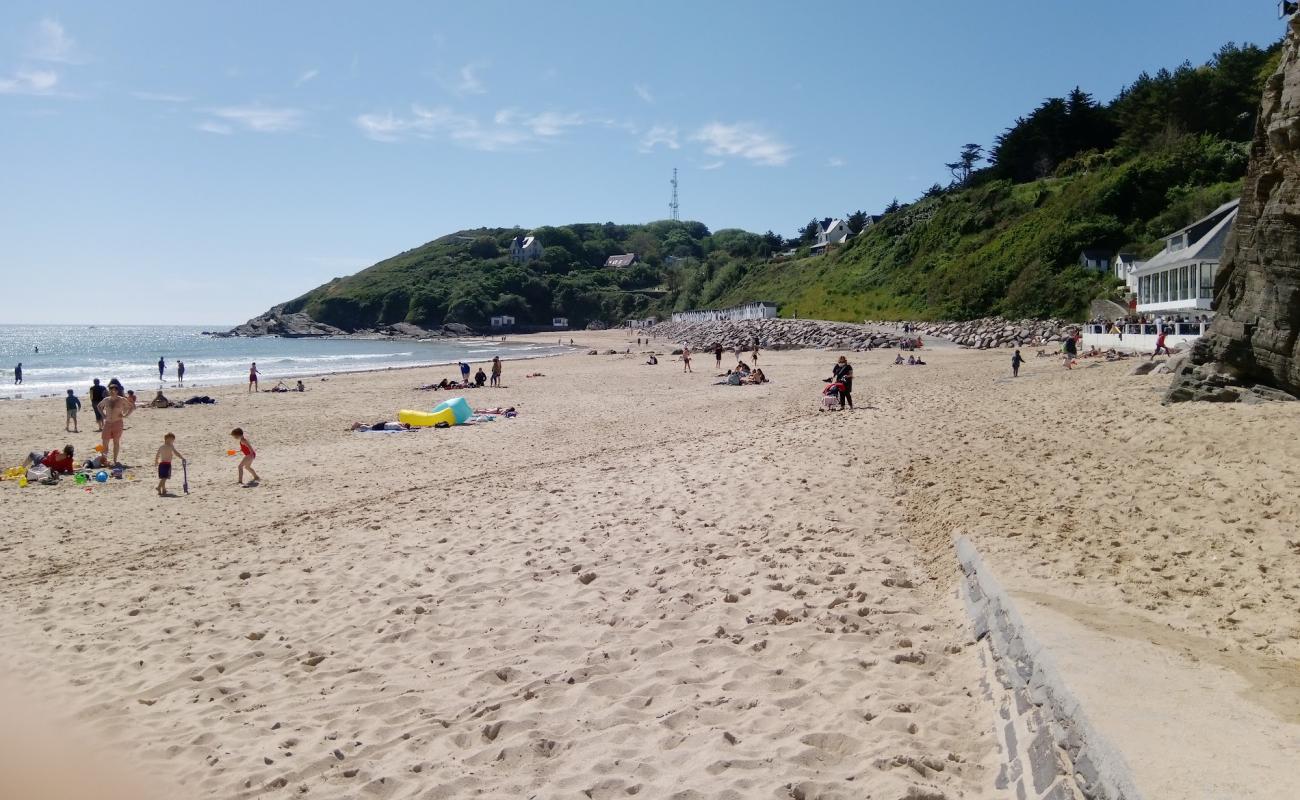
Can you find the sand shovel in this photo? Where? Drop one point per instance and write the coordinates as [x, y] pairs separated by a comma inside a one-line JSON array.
[[185, 476]]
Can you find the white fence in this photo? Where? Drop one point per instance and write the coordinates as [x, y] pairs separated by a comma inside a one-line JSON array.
[[1141, 338]]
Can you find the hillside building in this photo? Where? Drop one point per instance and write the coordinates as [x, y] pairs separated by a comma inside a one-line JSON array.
[[746, 311], [524, 249], [831, 232], [623, 261]]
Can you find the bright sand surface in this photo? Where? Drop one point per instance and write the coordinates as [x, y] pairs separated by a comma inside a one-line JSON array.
[[645, 584]]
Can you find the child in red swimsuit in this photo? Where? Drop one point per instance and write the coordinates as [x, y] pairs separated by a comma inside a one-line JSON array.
[[249, 454]]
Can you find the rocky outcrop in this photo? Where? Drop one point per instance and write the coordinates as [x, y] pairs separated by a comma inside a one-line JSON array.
[[296, 325], [1253, 339], [990, 332], [777, 334]]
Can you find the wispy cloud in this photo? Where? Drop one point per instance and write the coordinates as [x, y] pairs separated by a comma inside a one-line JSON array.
[[160, 97], [644, 93], [305, 77], [660, 135], [219, 128], [30, 81], [467, 81], [52, 43], [835, 162], [743, 140], [713, 165], [508, 129], [258, 119]]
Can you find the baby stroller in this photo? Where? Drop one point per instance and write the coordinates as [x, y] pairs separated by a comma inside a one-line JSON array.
[[831, 395]]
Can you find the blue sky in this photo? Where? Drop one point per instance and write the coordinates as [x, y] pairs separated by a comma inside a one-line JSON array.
[[197, 162]]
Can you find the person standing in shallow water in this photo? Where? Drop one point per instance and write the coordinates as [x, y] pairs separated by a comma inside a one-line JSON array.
[[162, 367], [180, 372], [1016, 361], [18, 373]]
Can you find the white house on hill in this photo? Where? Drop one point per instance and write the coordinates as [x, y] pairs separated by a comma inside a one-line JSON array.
[[524, 249], [621, 261], [831, 232], [1181, 278], [1125, 266]]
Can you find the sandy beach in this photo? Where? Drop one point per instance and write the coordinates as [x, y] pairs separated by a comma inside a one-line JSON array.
[[645, 584]]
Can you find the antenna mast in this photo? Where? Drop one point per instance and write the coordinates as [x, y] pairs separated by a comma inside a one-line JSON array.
[[673, 207]]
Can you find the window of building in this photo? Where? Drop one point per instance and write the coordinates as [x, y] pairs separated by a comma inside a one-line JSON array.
[[1183, 293], [1207, 281]]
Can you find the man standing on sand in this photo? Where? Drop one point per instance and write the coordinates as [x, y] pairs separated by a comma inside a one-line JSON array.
[[717, 355], [686, 358], [1016, 361], [755, 354], [97, 395], [115, 409], [496, 371], [252, 378], [162, 366]]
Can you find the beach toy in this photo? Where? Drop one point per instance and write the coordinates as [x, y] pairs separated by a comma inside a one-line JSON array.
[[99, 448], [81, 479], [101, 476], [22, 482], [426, 419], [230, 452], [458, 406]]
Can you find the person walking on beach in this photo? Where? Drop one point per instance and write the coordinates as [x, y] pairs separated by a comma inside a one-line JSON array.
[[843, 374], [163, 461], [496, 371], [1071, 350], [180, 372], [252, 378], [18, 373], [162, 367], [97, 395], [246, 448], [1016, 361], [73, 405], [686, 358], [464, 373], [1160, 344], [717, 355], [115, 409]]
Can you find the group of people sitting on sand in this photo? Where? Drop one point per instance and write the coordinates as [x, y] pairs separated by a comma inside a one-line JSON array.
[[742, 375], [281, 387], [910, 361]]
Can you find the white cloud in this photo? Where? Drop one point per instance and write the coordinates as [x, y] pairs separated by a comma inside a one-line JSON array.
[[467, 81], [305, 77], [743, 140], [258, 119], [160, 97], [660, 135], [219, 128], [508, 128], [52, 43], [713, 165], [643, 93], [835, 162], [37, 81]]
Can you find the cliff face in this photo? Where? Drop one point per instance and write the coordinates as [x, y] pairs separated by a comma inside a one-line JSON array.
[[1253, 339]]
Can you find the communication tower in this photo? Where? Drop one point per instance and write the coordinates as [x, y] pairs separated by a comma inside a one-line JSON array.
[[673, 207]]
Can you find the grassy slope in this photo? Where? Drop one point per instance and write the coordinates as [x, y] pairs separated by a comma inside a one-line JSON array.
[[1002, 248]]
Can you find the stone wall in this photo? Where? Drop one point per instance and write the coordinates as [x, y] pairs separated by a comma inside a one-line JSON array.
[[776, 334], [991, 332]]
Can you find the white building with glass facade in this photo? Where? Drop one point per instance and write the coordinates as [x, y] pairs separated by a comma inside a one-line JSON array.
[[1174, 290], [1180, 280]]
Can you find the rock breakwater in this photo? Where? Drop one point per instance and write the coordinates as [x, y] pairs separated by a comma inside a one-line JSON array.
[[991, 332], [778, 334]]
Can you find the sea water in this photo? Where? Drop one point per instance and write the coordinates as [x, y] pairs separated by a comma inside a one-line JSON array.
[[56, 358]]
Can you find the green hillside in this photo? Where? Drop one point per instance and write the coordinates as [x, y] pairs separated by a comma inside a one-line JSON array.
[[1003, 237]]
